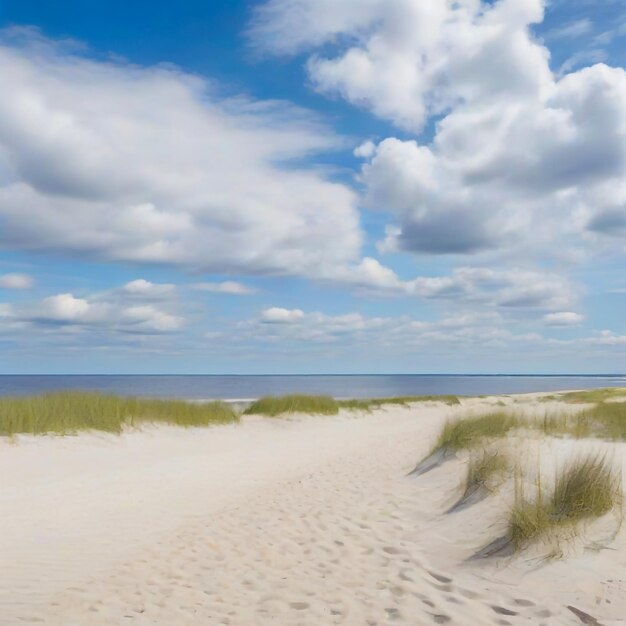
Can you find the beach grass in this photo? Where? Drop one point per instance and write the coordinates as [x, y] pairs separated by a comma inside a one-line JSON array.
[[592, 396], [70, 412], [466, 433], [373, 403], [297, 403], [326, 405], [587, 488], [484, 468], [606, 420]]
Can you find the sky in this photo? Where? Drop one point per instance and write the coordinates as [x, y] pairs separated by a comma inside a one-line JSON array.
[[313, 186]]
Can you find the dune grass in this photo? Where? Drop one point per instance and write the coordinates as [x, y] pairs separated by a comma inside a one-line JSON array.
[[405, 400], [558, 424], [606, 420], [484, 469], [278, 405], [368, 404], [591, 396], [326, 405], [70, 412], [466, 433], [585, 489]]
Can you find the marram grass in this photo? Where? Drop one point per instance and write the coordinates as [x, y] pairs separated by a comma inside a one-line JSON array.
[[326, 405], [484, 469], [585, 489], [296, 403], [373, 403], [591, 396], [606, 420], [467, 433], [70, 412]]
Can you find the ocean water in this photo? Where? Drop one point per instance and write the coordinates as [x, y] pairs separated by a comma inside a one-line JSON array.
[[339, 386]]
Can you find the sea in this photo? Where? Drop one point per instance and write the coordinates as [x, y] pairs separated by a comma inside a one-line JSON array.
[[245, 388]]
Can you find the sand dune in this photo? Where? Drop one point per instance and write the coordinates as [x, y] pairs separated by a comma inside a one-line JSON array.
[[300, 521]]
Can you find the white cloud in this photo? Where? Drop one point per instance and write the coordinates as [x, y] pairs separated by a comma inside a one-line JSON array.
[[511, 288], [521, 158], [277, 315], [608, 338], [149, 164], [228, 287], [16, 281], [66, 308], [105, 312], [407, 59], [145, 289], [397, 333], [564, 318]]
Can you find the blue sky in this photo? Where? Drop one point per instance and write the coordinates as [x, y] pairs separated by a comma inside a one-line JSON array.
[[308, 186]]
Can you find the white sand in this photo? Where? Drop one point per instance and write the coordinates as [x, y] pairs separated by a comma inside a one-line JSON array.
[[307, 521]]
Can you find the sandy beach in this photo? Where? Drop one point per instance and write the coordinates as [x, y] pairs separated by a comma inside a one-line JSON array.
[[298, 521]]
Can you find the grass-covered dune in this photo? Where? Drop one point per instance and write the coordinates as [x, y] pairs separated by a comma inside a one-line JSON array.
[[69, 412], [278, 405], [326, 405], [587, 488], [606, 420]]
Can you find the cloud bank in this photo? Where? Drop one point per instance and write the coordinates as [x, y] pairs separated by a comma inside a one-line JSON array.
[[520, 158], [150, 164]]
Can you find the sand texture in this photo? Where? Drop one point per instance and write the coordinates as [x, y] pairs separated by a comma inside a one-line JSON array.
[[305, 521]]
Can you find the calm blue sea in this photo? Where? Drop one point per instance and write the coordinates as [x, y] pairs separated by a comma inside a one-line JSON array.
[[250, 387]]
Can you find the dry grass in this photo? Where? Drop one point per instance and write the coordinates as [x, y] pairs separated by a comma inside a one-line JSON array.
[[70, 412], [585, 489]]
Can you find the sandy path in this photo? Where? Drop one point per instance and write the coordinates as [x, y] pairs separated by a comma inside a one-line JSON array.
[[275, 522]]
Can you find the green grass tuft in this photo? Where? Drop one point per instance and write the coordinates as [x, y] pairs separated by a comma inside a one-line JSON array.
[[587, 488], [368, 404], [484, 468], [592, 396], [467, 433], [70, 412], [606, 420], [279, 405], [325, 405]]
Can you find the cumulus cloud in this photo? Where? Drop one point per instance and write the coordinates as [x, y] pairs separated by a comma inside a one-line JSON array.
[[397, 332], [230, 287], [511, 288], [408, 59], [104, 312], [150, 164], [279, 324], [520, 158], [564, 318], [145, 289], [277, 315], [607, 338], [16, 281]]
